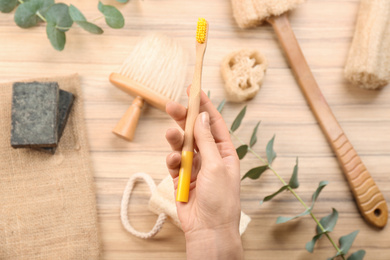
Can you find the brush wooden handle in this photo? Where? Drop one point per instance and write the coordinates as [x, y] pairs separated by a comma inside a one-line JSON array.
[[369, 199], [129, 121], [135, 89]]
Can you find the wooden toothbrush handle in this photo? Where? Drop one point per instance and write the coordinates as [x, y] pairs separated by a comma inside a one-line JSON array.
[[129, 121], [369, 199]]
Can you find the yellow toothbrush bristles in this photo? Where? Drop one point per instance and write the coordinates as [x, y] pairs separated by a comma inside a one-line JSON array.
[[201, 30]]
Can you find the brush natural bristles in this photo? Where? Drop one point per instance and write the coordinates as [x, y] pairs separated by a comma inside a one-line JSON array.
[[251, 13], [201, 30], [156, 53]]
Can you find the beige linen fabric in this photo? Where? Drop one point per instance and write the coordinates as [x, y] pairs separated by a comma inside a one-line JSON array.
[[47, 202]]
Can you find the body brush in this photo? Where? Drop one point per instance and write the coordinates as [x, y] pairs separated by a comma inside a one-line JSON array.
[[154, 71], [183, 186], [369, 199]]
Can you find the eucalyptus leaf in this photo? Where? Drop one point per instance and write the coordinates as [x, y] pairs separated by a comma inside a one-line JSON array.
[[242, 151], [358, 255], [114, 18], [270, 197], [321, 185], [347, 241], [310, 245], [123, 1], [7, 6], [281, 220], [253, 140], [221, 105], [315, 195], [237, 121], [56, 37], [58, 15], [255, 173], [328, 222], [90, 27], [271, 154], [80, 19], [75, 14], [26, 14], [294, 183]]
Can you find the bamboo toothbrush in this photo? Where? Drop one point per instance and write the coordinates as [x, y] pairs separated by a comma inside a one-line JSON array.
[[155, 72], [183, 186]]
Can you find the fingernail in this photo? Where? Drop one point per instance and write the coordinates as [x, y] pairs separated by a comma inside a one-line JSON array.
[[205, 120]]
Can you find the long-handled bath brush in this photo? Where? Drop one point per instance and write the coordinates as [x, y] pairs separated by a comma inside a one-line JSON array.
[[154, 71], [183, 186], [370, 201]]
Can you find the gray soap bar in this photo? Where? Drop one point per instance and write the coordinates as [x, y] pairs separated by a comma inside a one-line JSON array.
[[64, 107], [34, 114]]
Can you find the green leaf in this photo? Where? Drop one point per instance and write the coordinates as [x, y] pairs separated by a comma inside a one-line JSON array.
[[221, 105], [7, 6], [294, 183], [56, 37], [270, 197], [208, 94], [321, 185], [237, 121], [346, 241], [271, 154], [123, 1], [328, 222], [310, 245], [75, 14], [58, 15], [281, 220], [358, 255], [90, 27], [26, 14], [114, 18], [314, 197], [255, 173], [242, 151], [80, 19], [254, 135]]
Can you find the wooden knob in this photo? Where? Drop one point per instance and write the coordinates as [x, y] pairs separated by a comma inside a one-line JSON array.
[[128, 123]]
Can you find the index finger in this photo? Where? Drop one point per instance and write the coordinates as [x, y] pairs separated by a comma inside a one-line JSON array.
[[218, 127]]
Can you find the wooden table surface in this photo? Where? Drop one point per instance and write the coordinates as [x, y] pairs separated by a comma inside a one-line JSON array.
[[324, 29]]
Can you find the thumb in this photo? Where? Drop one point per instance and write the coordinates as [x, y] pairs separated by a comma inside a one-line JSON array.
[[204, 139]]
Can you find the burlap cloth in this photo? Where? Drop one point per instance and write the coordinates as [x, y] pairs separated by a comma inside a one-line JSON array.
[[47, 202]]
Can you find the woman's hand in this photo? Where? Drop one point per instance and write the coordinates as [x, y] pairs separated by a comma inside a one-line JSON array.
[[210, 219]]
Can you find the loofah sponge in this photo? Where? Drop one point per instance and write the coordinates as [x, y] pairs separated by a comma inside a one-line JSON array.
[[243, 72], [368, 63], [251, 13]]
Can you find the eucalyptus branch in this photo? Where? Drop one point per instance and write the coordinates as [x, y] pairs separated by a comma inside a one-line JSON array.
[[59, 17], [292, 191], [325, 225]]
